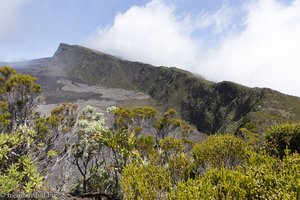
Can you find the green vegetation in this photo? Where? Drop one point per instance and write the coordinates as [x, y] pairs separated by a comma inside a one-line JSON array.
[[282, 137], [19, 98], [219, 151], [52, 153], [121, 143], [17, 171], [261, 177], [140, 153], [145, 182], [86, 147], [19, 95]]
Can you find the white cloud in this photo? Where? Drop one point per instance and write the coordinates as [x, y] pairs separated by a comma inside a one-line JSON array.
[[265, 52], [150, 33]]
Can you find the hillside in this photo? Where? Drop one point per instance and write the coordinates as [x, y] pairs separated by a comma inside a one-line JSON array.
[[211, 107]]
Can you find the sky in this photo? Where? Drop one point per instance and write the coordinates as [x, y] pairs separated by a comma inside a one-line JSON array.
[[252, 42]]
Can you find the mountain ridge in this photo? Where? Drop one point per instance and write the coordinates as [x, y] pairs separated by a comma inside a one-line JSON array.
[[211, 107]]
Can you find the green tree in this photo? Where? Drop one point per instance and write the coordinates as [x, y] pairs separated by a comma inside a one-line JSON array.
[[5, 73], [20, 92], [121, 146], [86, 148], [124, 138], [116, 145], [148, 117]]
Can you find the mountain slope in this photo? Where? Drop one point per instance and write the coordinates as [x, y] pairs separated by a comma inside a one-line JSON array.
[[212, 107]]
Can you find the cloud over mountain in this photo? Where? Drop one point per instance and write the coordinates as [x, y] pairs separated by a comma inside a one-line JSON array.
[[150, 33], [256, 44]]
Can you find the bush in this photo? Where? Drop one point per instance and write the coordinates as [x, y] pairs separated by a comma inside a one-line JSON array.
[[219, 150], [281, 137], [145, 181], [261, 177], [17, 170]]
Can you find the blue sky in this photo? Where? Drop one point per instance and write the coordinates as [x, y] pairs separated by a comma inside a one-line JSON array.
[[252, 42], [42, 24]]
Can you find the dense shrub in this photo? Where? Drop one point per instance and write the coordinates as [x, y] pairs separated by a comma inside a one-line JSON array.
[[262, 177], [280, 137], [145, 181], [17, 171], [219, 150]]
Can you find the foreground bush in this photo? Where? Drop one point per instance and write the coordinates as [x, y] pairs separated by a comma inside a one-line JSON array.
[[262, 177], [145, 181], [17, 170], [219, 150], [280, 137]]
